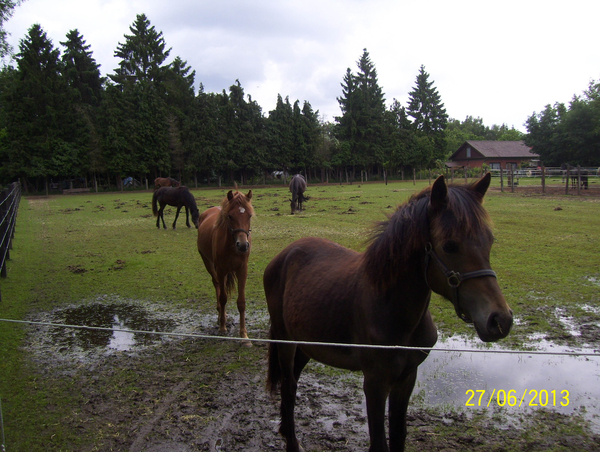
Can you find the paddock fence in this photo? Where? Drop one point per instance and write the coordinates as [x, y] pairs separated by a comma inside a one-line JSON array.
[[567, 180], [10, 198]]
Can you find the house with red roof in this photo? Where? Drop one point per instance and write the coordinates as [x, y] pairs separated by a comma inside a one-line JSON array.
[[494, 154]]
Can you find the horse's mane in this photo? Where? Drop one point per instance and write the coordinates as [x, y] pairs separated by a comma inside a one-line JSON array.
[[402, 238], [238, 200], [188, 196]]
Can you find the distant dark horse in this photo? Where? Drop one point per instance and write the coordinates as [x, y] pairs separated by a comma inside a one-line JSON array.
[[319, 291], [177, 197], [224, 244], [165, 182], [297, 187], [583, 176]]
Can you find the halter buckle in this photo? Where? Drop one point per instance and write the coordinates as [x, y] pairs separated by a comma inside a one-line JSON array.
[[454, 279]]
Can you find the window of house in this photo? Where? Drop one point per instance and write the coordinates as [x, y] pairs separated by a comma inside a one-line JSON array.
[[468, 152]]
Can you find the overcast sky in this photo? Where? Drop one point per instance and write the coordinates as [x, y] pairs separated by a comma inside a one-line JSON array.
[[499, 61]]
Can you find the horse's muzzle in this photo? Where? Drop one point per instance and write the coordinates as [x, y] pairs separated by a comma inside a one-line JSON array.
[[242, 247]]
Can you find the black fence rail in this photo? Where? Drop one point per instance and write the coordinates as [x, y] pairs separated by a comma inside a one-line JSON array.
[[10, 198]]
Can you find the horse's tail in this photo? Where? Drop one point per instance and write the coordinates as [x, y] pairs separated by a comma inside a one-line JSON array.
[[274, 371], [231, 280], [154, 204]]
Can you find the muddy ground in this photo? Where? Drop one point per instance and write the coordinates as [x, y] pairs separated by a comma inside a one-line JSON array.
[[184, 394]]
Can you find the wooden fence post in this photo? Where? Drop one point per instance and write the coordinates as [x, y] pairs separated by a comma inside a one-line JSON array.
[[578, 180], [543, 179], [512, 179], [568, 179]]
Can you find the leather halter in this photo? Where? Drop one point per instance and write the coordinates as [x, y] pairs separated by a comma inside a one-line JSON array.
[[235, 231], [454, 278]]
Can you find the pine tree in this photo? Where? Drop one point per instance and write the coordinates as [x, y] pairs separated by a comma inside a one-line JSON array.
[[429, 119], [39, 112], [82, 75], [6, 11], [81, 70], [280, 135], [425, 106], [142, 121], [362, 123], [180, 101], [143, 55]]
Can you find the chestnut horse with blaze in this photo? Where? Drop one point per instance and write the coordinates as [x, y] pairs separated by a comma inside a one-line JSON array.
[[224, 244], [319, 291]]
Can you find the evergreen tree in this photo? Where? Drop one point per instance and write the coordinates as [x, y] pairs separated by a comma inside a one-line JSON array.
[[362, 123], [82, 75], [143, 55], [141, 123], [6, 11], [39, 113], [180, 101], [280, 135], [81, 71], [429, 119]]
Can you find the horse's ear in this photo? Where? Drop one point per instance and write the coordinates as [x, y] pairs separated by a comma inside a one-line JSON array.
[[482, 184], [439, 194], [229, 195], [249, 195]]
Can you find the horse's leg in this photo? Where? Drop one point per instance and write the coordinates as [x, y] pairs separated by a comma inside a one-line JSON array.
[[161, 215], [222, 301], [242, 275], [176, 216], [289, 387], [215, 280], [399, 397], [187, 217], [376, 393]]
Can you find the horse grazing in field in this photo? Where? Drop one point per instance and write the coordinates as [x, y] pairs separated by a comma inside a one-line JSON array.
[[177, 197], [165, 182], [319, 291], [297, 187], [224, 244]]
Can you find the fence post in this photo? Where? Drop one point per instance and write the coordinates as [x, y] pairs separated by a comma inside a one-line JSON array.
[[512, 179], [578, 180], [543, 177], [568, 179]]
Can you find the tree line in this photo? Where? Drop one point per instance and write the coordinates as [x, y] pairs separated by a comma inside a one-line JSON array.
[[570, 134], [61, 120]]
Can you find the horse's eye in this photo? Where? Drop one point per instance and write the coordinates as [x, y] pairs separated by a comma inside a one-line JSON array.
[[450, 247]]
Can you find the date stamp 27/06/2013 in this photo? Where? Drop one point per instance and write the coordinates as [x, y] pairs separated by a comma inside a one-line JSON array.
[[529, 398]]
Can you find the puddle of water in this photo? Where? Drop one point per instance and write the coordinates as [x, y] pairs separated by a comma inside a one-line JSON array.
[[445, 377], [120, 316]]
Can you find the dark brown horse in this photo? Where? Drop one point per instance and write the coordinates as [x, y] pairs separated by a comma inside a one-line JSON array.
[[297, 188], [165, 182], [177, 197], [319, 291], [224, 244]]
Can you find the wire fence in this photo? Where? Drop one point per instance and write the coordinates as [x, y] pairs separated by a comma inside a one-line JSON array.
[[324, 344], [10, 198]]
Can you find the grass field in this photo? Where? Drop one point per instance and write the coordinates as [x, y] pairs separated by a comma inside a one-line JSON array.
[[69, 249]]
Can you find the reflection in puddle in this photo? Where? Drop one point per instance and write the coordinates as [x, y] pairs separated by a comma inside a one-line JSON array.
[[113, 317], [445, 377]]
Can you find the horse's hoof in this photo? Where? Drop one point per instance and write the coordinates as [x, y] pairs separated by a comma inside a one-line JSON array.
[[246, 343]]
